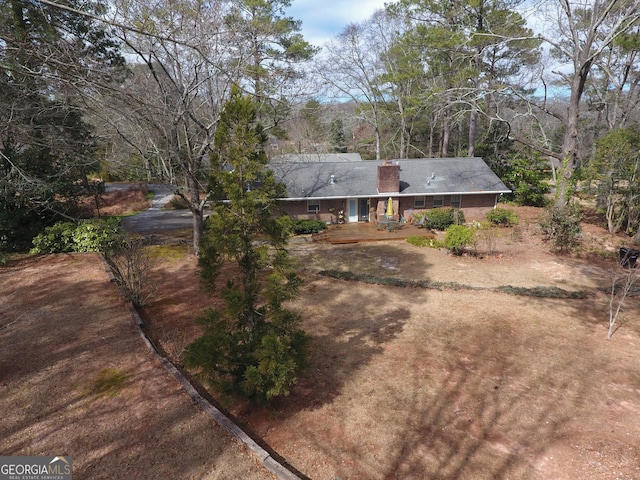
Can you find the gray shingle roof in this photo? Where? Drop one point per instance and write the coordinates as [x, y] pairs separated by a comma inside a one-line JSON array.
[[425, 176], [316, 157]]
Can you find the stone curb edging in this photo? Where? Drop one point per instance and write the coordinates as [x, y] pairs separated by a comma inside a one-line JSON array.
[[275, 467]]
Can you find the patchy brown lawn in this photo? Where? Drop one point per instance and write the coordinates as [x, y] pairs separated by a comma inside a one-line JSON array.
[[466, 384], [404, 382], [76, 379]]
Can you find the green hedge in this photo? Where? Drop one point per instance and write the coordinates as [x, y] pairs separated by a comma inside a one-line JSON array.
[[301, 227]]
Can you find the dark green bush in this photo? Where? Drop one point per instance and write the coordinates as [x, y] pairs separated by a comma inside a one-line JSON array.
[[19, 226], [442, 217], [301, 227], [502, 217], [86, 236]]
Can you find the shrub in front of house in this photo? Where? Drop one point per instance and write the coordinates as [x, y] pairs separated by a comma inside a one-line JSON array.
[[457, 237], [304, 226], [502, 217], [442, 217]]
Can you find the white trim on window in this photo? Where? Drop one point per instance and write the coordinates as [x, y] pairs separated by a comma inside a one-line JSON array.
[[438, 201], [456, 201], [313, 206], [419, 202]]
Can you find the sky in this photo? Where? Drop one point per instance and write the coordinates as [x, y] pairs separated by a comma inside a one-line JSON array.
[[324, 19]]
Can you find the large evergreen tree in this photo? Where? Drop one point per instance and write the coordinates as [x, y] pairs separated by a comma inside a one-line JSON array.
[[472, 50], [252, 344], [274, 50], [47, 57]]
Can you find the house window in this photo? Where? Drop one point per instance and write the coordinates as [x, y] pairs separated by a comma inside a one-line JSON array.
[[455, 201], [437, 201], [418, 202], [313, 206]]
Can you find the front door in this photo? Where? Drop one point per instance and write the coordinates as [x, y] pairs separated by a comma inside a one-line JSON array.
[[353, 210], [364, 210]]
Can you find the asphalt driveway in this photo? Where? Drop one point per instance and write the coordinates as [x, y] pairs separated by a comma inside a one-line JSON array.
[[156, 219]]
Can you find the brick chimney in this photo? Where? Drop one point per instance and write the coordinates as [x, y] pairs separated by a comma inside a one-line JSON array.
[[388, 178]]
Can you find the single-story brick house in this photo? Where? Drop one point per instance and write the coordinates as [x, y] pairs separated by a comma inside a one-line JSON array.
[[362, 190]]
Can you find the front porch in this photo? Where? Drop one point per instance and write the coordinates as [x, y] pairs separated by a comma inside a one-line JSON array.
[[368, 232]]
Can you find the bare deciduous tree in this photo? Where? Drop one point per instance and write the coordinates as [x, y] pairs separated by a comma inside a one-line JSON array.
[[579, 33], [351, 70], [623, 281]]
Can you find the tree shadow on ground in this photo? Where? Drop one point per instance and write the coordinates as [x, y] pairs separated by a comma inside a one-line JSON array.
[[471, 406], [65, 323], [474, 423]]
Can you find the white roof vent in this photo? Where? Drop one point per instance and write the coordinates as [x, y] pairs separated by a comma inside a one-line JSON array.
[[332, 179]]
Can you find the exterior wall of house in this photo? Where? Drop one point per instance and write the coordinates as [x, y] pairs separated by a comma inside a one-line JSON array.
[[328, 211], [475, 207]]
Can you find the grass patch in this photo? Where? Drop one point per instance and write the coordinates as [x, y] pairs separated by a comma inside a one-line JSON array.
[[393, 281], [109, 382], [170, 253], [418, 241], [543, 292]]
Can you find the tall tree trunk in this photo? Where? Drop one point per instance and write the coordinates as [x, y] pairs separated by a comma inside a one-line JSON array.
[[432, 132], [446, 136], [570, 141], [403, 129], [198, 229], [473, 125], [196, 207]]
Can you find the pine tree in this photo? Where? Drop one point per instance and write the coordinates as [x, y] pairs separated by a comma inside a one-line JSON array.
[[338, 138], [253, 344]]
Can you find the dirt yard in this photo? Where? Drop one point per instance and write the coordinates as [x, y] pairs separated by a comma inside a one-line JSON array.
[[76, 379], [467, 383], [409, 383]]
